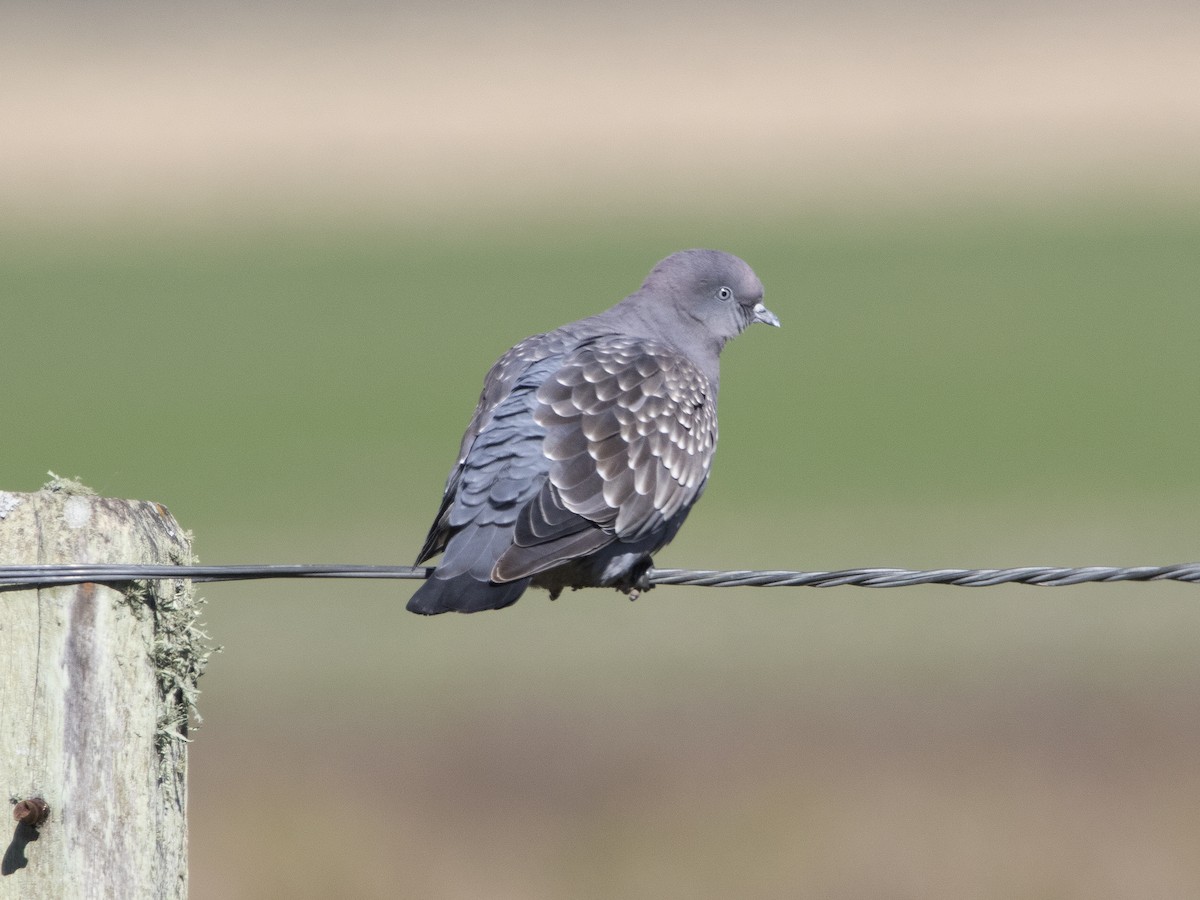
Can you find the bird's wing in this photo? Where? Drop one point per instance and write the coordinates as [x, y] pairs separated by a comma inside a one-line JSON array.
[[500, 382], [631, 427]]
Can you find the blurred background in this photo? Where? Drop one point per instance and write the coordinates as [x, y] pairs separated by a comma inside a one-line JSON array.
[[255, 262]]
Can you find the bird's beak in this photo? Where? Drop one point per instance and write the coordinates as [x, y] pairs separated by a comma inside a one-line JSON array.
[[764, 315]]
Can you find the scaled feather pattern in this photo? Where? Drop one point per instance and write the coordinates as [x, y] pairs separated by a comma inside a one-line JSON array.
[[591, 443]]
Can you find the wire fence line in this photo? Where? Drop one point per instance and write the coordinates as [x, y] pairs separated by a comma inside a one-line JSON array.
[[23, 577]]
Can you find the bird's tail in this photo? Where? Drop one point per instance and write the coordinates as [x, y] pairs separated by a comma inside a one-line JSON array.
[[465, 594]]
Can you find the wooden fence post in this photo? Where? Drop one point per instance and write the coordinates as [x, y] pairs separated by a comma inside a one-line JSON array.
[[96, 686]]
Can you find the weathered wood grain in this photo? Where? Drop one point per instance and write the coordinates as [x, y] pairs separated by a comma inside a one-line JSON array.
[[95, 687]]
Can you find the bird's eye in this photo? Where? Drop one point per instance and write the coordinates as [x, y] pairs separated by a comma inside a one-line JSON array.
[[724, 293]]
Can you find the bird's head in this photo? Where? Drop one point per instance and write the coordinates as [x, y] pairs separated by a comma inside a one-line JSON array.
[[714, 291]]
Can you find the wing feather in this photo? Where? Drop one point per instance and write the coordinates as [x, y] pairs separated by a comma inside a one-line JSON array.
[[631, 428]]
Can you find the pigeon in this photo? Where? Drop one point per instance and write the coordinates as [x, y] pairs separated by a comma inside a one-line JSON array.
[[591, 443]]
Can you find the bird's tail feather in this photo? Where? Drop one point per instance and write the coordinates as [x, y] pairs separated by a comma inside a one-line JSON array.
[[465, 594]]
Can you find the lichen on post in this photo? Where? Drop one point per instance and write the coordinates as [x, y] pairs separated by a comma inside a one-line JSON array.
[[97, 689]]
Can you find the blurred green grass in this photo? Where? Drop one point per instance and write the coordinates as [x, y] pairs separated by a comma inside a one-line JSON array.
[[964, 354], [956, 387]]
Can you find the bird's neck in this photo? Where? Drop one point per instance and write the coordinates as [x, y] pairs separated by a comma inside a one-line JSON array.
[[689, 337]]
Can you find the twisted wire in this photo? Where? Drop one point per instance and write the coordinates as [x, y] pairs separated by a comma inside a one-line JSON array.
[[21, 577]]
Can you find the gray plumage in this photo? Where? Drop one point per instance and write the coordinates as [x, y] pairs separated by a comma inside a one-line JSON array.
[[591, 443]]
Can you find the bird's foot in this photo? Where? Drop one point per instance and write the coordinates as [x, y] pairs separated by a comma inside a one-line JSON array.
[[637, 579], [639, 586]]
